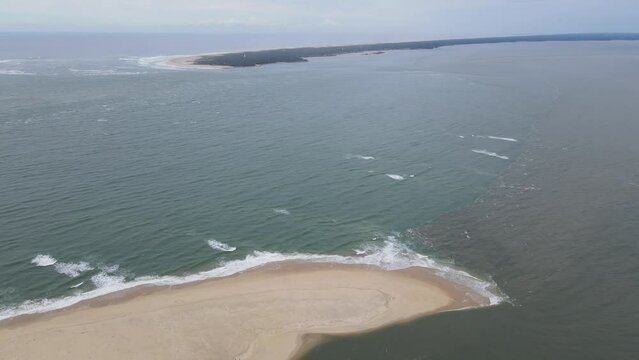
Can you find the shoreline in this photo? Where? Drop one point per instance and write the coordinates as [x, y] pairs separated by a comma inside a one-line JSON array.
[[389, 256], [251, 58], [188, 62], [286, 303]]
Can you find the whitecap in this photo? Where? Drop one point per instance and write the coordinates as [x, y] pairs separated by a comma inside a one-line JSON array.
[[105, 72], [76, 285], [103, 280], [109, 269], [361, 157], [44, 260], [282, 211], [395, 177], [391, 254], [489, 153], [15, 72], [73, 269], [214, 244], [502, 138]]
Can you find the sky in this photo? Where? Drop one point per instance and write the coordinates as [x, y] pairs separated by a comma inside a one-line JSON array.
[[430, 18]]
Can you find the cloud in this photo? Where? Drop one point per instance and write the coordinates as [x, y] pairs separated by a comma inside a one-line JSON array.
[[439, 17]]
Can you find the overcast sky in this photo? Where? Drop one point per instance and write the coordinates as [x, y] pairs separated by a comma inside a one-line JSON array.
[[434, 18]]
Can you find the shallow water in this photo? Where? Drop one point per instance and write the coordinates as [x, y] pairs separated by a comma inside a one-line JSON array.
[[118, 171]]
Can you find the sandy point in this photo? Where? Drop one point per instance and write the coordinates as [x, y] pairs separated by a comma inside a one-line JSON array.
[[188, 62], [266, 313]]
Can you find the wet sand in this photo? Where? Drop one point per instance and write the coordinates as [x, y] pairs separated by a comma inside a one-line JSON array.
[[272, 312], [187, 62]]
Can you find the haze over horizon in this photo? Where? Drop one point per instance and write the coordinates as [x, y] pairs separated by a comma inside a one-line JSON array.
[[438, 18]]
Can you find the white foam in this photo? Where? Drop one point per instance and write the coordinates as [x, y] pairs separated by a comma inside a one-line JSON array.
[[361, 157], [216, 245], [165, 63], [15, 72], [395, 177], [105, 72], [391, 254], [103, 280], [282, 211], [13, 61], [109, 269], [159, 62], [77, 285], [43, 260], [489, 153], [501, 138], [72, 269]]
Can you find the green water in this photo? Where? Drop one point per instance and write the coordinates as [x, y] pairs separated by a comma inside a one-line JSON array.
[[121, 172]]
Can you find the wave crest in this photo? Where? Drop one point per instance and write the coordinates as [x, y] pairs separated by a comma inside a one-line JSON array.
[[15, 72], [390, 255], [43, 260], [361, 157], [395, 177], [501, 138], [490, 153], [72, 270], [217, 245]]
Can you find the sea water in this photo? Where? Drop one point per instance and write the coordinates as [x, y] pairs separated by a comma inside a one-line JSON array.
[[118, 171]]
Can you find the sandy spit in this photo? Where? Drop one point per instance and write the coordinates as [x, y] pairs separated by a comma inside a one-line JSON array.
[[266, 313]]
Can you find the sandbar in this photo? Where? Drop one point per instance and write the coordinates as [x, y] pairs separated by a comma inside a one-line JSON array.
[[266, 313]]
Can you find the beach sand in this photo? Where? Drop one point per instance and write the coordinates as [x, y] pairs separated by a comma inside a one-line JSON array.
[[187, 62], [268, 313]]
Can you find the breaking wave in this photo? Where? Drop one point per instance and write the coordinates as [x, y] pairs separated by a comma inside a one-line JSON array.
[[43, 260], [501, 138], [489, 153], [216, 245], [15, 72], [395, 177], [72, 270], [106, 72], [390, 255], [361, 157]]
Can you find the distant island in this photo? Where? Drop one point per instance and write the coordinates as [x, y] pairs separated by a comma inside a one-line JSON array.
[[263, 57]]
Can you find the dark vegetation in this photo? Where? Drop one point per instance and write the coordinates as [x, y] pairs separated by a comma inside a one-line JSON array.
[[262, 57]]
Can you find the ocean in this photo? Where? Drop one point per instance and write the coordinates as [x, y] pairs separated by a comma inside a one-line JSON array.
[[510, 168]]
